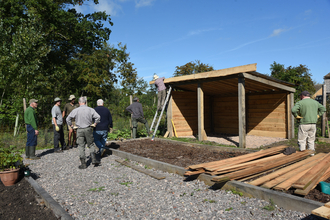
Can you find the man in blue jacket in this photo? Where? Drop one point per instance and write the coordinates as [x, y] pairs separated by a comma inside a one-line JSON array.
[[100, 132]]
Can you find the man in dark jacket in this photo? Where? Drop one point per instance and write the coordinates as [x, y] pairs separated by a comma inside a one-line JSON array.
[[100, 132], [136, 109]]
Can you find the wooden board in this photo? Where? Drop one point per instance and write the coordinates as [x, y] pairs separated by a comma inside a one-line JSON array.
[[280, 172], [322, 212], [285, 181], [145, 171], [315, 173], [240, 159], [262, 167]]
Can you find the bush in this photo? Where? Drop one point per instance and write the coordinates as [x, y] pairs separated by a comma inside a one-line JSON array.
[[10, 157]]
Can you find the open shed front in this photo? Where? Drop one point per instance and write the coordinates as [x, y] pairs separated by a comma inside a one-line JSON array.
[[233, 101]]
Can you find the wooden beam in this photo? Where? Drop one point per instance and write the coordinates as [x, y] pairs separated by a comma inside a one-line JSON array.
[[324, 94], [241, 112], [288, 116], [292, 118], [269, 82], [200, 108], [169, 117], [141, 170], [210, 74]]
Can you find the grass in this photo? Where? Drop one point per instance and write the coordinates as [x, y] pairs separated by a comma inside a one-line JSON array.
[[97, 189], [271, 206], [126, 183]]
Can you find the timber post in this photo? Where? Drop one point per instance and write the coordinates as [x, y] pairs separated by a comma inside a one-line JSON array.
[[241, 112]]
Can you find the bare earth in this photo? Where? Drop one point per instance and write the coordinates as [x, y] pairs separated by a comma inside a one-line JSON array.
[[251, 140]]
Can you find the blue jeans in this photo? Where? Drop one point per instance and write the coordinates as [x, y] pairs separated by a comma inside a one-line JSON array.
[[100, 138], [31, 136]]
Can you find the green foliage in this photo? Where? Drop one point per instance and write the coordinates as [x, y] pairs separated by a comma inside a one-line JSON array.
[[271, 206], [118, 134], [97, 189], [229, 209], [10, 157], [192, 68], [236, 192], [126, 183], [300, 76]]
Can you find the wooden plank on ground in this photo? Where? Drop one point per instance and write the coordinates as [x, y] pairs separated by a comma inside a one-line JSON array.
[[316, 172], [313, 183], [322, 211], [327, 204], [285, 181], [232, 168], [262, 167], [148, 172], [239, 159], [280, 172]]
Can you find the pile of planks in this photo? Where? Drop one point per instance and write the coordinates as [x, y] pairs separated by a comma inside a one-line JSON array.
[[270, 168]]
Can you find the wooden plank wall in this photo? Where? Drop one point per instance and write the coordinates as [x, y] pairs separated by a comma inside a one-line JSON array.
[[266, 115], [185, 115], [225, 115]]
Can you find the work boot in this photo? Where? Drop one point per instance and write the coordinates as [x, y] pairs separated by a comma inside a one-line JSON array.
[[27, 152], [83, 164], [32, 151], [95, 161]]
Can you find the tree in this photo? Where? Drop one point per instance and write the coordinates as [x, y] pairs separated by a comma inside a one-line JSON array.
[[299, 76], [48, 49], [192, 68]]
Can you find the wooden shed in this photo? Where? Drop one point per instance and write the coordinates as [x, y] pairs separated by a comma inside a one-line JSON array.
[[233, 101]]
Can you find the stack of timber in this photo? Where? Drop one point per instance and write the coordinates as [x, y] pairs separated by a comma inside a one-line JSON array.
[[270, 168]]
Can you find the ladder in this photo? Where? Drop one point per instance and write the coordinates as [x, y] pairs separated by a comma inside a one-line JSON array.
[[160, 116]]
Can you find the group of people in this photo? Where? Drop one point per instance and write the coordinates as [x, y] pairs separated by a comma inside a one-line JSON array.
[[85, 125]]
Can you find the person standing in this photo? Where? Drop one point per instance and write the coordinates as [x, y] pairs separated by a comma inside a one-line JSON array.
[[101, 130], [57, 121], [72, 130], [30, 119], [159, 82], [84, 117], [307, 111], [136, 109]]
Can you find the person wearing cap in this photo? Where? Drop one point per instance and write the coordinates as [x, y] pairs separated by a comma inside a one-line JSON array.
[[307, 111], [159, 83], [85, 117], [57, 121], [137, 114], [72, 130], [30, 119], [100, 132]]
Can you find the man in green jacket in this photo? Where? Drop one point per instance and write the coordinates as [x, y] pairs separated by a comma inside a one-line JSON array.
[[31, 122], [307, 111]]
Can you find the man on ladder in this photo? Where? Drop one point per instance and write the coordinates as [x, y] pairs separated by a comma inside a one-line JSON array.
[[159, 82]]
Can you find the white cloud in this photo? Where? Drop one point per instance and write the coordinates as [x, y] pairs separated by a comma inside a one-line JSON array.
[[277, 32], [196, 32], [142, 3]]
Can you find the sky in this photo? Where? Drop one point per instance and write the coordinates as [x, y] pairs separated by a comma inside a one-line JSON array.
[[163, 34]]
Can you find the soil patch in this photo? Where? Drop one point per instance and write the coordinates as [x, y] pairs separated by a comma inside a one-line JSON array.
[[183, 155], [174, 153], [20, 202]]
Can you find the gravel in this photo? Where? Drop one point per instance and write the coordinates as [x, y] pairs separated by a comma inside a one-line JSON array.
[[114, 191]]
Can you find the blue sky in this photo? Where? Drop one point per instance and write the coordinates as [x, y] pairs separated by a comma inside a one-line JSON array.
[[163, 34]]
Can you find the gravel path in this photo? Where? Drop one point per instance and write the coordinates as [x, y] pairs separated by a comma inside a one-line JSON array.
[[114, 191]]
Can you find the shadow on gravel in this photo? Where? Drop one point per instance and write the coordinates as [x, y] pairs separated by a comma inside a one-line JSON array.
[[49, 151], [313, 217]]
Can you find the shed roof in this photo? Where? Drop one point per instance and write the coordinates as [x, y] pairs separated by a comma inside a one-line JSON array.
[[224, 81]]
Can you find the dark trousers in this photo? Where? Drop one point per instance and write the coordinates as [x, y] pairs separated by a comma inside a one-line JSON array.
[[58, 137], [31, 136]]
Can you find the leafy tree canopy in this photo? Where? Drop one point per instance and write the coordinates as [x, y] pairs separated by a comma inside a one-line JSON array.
[[50, 50], [300, 76], [192, 68]]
